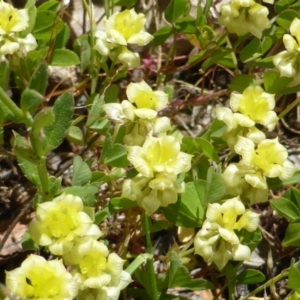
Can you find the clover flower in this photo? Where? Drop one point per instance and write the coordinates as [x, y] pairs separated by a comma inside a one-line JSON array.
[[269, 159], [13, 22], [217, 240], [236, 177], [41, 279], [255, 105], [139, 113], [238, 125], [158, 155], [147, 103], [287, 62], [96, 269], [243, 16], [151, 193], [62, 220], [120, 30]]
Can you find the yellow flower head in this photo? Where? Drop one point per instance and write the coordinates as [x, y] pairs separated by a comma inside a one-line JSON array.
[[12, 22], [269, 158], [243, 16], [40, 279], [239, 182], [146, 100], [127, 27], [95, 268], [121, 29], [12, 19], [238, 125], [142, 103], [287, 62], [217, 241], [158, 155], [256, 105], [151, 193], [62, 220]]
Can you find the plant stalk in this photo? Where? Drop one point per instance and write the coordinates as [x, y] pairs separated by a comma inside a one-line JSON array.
[[149, 262]]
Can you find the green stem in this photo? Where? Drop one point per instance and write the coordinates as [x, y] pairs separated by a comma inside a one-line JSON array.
[[43, 174], [289, 108], [16, 111], [149, 262], [273, 280], [93, 64]]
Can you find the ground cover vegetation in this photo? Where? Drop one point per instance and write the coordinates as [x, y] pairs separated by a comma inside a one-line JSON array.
[[152, 152]]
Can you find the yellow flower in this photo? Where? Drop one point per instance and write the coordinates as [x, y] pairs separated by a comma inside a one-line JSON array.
[[95, 268], [40, 279], [256, 105], [127, 27], [62, 220], [217, 241], [151, 193], [287, 62], [236, 177], [14, 21], [121, 29], [238, 125], [269, 158], [147, 101], [159, 155], [243, 16]]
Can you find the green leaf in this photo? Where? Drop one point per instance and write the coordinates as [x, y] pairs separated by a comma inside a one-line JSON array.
[[275, 183], [87, 193], [215, 186], [161, 35], [186, 25], [4, 74], [30, 171], [111, 94], [56, 132], [75, 135], [28, 243], [32, 11], [274, 83], [83, 49], [285, 208], [176, 9], [292, 236], [126, 3], [293, 194], [51, 5], [39, 79], [62, 37], [30, 101], [47, 25], [294, 277], [81, 172], [282, 5], [285, 18], [250, 277], [96, 120], [255, 49], [208, 149], [23, 149], [155, 226], [215, 57], [43, 118], [64, 58], [119, 204], [188, 210], [114, 154], [178, 276]]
